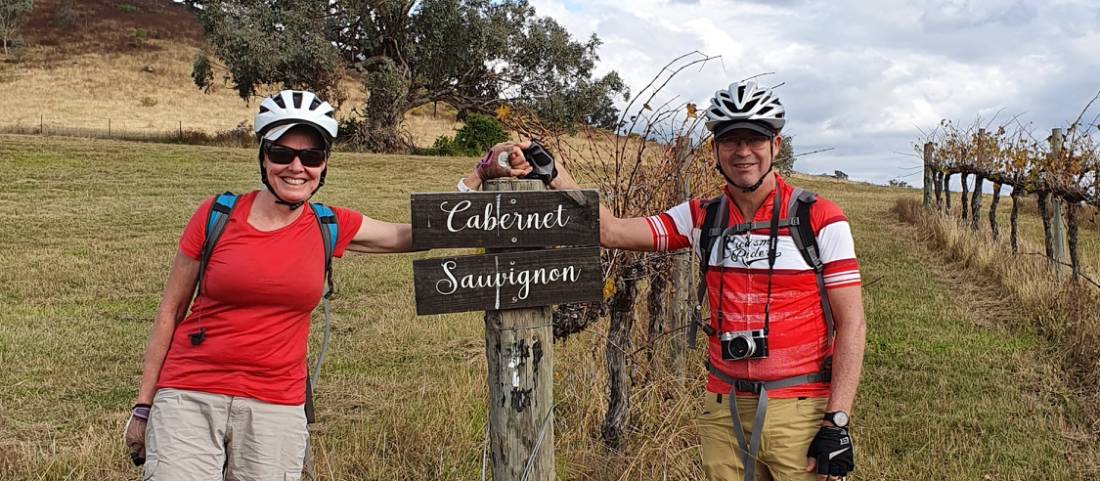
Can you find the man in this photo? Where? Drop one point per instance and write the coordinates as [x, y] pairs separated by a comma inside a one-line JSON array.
[[772, 345]]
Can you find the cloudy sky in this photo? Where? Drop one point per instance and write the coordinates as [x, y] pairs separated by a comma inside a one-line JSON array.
[[861, 77]]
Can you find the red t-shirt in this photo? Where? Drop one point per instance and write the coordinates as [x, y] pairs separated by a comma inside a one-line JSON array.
[[258, 294]]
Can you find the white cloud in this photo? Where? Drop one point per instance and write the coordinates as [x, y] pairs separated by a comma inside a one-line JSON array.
[[861, 77]]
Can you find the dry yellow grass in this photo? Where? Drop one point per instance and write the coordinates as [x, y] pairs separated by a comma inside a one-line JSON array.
[[150, 89]]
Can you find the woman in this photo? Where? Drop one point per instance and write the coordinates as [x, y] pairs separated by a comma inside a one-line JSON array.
[[223, 387]]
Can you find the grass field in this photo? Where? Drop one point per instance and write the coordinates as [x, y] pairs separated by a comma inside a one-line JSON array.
[[958, 382]]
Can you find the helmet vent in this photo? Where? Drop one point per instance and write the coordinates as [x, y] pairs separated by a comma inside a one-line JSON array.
[[314, 104], [279, 101], [297, 100], [263, 109]]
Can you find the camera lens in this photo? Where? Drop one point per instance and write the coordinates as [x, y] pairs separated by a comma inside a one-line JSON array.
[[741, 347]]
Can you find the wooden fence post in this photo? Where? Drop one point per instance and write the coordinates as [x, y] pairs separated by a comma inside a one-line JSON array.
[[519, 348], [683, 297], [1056, 217], [927, 174]]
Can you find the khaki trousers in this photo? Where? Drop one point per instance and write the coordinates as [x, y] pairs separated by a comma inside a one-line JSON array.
[[789, 427], [200, 436]]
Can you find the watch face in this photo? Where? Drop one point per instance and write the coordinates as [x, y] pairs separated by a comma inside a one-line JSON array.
[[840, 418]]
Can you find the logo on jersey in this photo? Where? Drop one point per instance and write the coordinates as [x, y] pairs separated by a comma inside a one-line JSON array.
[[743, 251]]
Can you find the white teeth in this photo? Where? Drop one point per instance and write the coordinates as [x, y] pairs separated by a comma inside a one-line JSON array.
[[294, 181]]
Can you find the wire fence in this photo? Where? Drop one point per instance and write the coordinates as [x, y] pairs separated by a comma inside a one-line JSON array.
[[241, 136]]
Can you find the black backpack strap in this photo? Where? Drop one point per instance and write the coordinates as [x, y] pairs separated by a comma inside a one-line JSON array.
[[216, 221], [802, 234], [714, 223]]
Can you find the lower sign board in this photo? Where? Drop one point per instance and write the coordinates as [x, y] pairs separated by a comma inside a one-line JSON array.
[[508, 280]]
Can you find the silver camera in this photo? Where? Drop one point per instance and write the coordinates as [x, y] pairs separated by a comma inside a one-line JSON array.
[[738, 345]]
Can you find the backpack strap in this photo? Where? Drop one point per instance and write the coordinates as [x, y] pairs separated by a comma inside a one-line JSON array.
[[216, 221], [714, 224], [804, 239], [330, 231]]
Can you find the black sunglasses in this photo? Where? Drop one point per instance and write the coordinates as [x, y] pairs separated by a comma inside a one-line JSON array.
[[282, 155]]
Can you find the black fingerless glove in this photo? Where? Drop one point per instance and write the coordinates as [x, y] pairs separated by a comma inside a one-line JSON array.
[[832, 448], [542, 163]]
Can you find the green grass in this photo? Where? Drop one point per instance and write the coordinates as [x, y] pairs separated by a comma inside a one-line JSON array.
[[91, 226]]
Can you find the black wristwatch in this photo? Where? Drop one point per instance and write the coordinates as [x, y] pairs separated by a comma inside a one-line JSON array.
[[838, 418]]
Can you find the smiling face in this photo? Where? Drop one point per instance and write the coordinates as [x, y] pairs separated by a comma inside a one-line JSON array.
[[295, 182], [745, 155]]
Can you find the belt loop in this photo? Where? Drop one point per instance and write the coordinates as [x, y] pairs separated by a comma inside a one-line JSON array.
[[719, 398]]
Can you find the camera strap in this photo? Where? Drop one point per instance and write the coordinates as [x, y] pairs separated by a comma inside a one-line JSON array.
[[773, 247], [715, 219]]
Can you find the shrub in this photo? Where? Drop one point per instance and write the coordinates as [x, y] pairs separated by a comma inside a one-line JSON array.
[[148, 102], [479, 133], [445, 145], [127, 8]]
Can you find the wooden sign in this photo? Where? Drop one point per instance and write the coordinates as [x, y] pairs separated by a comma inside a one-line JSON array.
[[506, 219], [508, 280]]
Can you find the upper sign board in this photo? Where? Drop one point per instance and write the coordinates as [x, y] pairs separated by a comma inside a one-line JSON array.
[[506, 219]]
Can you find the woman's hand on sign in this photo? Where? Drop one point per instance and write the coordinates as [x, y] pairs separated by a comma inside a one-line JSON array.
[[504, 160]]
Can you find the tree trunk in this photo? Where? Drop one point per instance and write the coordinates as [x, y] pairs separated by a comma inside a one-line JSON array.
[[382, 134], [657, 304], [976, 202], [1044, 212], [965, 202], [993, 209], [936, 189], [1071, 237], [947, 191], [618, 346], [937, 183], [385, 109], [1013, 219]]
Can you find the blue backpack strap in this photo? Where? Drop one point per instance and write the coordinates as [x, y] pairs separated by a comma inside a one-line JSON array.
[[216, 221], [330, 231]]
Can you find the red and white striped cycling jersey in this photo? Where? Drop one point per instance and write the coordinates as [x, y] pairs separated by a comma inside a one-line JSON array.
[[796, 340]]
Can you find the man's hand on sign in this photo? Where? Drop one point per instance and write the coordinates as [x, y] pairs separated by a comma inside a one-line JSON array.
[[504, 160]]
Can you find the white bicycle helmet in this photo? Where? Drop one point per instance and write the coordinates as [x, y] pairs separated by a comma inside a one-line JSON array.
[[745, 105], [290, 108]]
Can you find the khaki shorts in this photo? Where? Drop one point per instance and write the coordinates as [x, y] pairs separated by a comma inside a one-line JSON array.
[[789, 427], [194, 435]]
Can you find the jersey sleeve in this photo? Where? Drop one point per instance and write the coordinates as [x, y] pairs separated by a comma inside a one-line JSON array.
[[676, 228], [194, 234], [348, 222], [834, 241]]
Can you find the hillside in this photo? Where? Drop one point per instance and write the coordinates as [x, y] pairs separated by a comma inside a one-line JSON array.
[[128, 64]]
